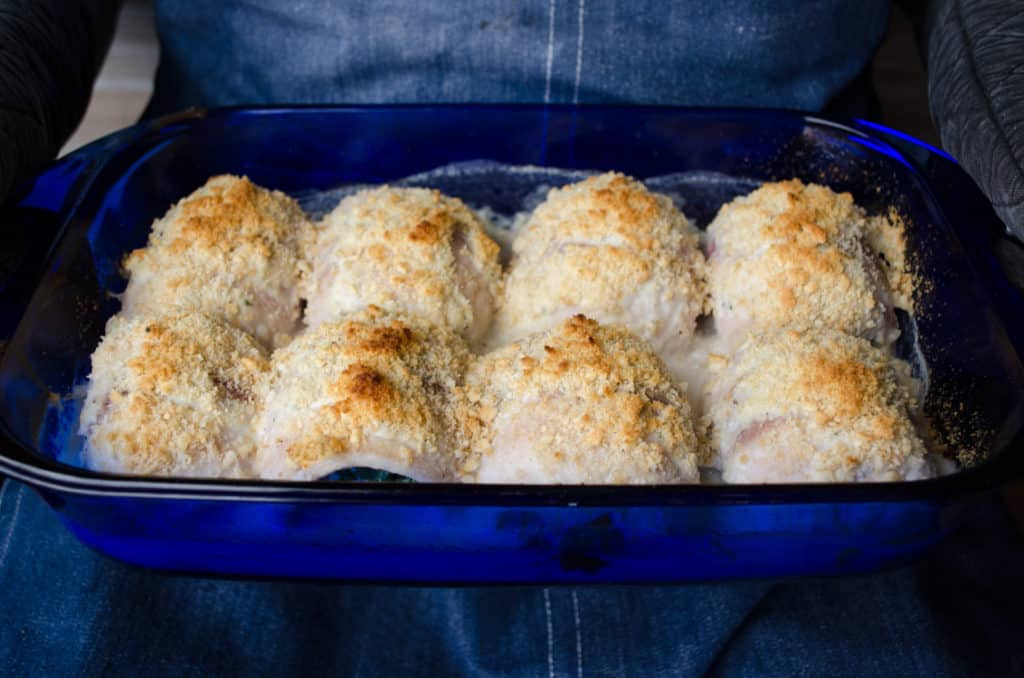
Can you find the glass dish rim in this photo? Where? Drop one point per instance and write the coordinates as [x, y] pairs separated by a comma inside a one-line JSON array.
[[50, 474]]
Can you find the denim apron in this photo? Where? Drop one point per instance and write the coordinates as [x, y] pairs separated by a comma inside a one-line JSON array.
[[752, 53]]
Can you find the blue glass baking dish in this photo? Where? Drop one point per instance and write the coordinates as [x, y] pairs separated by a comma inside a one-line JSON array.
[[76, 219]]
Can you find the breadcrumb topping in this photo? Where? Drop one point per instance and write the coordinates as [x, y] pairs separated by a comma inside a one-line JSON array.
[[801, 256], [607, 248], [173, 395], [373, 389], [596, 316], [815, 405], [581, 403], [408, 250], [887, 235], [230, 249]]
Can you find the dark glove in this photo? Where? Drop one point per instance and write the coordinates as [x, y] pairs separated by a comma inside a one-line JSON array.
[[50, 52], [975, 59]]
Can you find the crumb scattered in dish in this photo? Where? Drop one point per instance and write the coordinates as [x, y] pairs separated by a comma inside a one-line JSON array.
[[408, 250], [814, 406], [801, 256], [607, 248], [230, 249], [371, 390], [173, 395], [580, 403]]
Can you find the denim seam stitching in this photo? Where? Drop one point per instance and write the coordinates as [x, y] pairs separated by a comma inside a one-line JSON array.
[[10, 530], [579, 637], [551, 51], [579, 51], [551, 638]]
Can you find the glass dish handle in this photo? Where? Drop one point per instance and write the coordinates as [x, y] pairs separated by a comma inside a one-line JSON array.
[[32, 221]]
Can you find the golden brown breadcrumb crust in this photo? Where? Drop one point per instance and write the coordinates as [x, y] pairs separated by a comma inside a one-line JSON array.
[[230, 249], [622, 418], [801, 256], [610, 249], [408, 250], [341, 386], [887, 236], [832, 407], [173, 395]]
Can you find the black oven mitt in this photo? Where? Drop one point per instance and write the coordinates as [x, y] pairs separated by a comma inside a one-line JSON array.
[[975, 58], [974, 51], [50, 53]]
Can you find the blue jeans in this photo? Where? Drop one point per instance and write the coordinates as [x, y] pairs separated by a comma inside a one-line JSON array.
[[66, 610]]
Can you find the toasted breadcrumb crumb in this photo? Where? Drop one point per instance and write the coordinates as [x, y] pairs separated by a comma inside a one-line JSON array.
[[887, 235], [581, 403], [607, 248], [801, 256], [811, 406], [230, 249], [173, 395], [408, 250], [372, 389]]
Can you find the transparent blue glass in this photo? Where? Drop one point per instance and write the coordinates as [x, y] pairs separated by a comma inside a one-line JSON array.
[[81, 215]]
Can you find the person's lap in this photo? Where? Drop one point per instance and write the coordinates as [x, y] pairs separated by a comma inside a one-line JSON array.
[[69, 610]]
